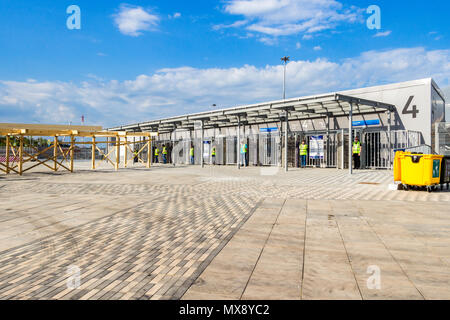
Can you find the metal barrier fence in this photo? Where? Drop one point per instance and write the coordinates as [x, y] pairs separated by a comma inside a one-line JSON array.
[[442, 138], [264, 149]]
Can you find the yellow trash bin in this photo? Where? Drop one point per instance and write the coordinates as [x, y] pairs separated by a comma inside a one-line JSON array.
[[399, 155], [423, 170]]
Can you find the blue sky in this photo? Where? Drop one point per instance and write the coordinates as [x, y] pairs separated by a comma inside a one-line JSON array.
[[140, 60]]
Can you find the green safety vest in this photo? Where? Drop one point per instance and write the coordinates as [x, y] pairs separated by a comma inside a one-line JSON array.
[[213, 151], [356, 147], [244, 148], [164, 150], [156, 152], [191, 152], [304, 149]]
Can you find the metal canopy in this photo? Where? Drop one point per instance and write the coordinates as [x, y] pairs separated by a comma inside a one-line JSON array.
[[313, 107]]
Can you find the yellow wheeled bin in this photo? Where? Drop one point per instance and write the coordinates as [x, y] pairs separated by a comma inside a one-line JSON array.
[[421, 170]]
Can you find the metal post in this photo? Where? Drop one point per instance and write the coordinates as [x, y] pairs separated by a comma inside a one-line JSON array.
[[343, 149], [238, 142], [350, 139], [389, 140], [286, 142], [202, 147], [149, 151]]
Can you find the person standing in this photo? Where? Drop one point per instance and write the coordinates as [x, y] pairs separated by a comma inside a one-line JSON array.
[[244, 150], [135, 158], [356, 148], [213, 155], [191, 153], [156, 155], [164, 153], [303, 153]]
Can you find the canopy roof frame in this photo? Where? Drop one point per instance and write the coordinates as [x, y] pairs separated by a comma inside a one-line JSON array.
[[305, 108]]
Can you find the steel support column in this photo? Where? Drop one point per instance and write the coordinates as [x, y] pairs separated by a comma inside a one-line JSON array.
[[389, 140], [202, 147], [343, 149], [350, 139], [238, 143], [286, 141]]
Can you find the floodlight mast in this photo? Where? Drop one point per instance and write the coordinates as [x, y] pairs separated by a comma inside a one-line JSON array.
[[285, 60]]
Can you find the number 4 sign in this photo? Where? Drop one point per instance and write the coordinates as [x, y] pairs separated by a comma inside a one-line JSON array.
[[414, 110]]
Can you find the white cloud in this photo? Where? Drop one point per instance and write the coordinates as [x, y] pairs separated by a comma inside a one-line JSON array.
[[184, 90], [288, 17], [382, 34], [133, 20], [317, 48], [298, 45], [176, 15]]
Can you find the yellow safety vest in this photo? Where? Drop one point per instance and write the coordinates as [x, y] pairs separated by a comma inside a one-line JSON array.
[[244, 148], [156, 152], [356, 147], [213, 151], [303, 149], [191, 152], [164, 150]]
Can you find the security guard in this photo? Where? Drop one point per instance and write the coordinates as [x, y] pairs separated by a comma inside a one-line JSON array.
[[244, 150], [191, 154], [156, 155], [164, 153], [356, 148], [213, 155], [303, 153]]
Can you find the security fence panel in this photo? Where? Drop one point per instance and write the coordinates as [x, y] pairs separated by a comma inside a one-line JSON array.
[[220, 152], [378, 153], [207, 151], [443, 138], [253, 147], [231, 150], [269, 149], [197, 142], [181, 150]]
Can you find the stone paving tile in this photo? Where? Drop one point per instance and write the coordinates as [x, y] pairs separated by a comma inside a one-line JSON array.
[[151, 233]]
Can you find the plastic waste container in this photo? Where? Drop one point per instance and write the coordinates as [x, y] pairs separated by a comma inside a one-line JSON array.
[[445, 171], [422, 170], [399, 155]]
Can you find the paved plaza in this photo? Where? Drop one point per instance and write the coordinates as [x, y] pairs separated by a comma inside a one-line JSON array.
[[218, 233]]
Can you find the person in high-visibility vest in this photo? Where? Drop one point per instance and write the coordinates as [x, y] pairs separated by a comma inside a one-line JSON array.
[[135, 158], [244, 150], [213, 155], [191, 154], [303, 149], [356, 148], [156, 155], [164, 153]]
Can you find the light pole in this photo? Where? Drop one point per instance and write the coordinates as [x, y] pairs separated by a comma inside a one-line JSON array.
[[285, 60]]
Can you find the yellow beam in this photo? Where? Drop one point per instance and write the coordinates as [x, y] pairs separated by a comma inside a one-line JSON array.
[[7, 154], [47, 127]]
